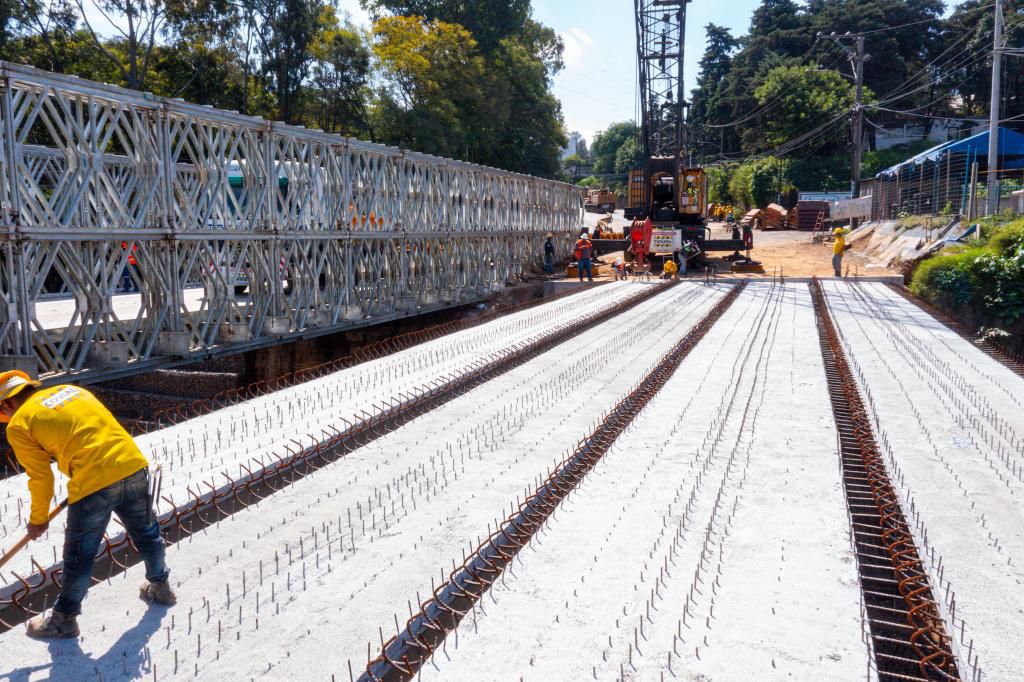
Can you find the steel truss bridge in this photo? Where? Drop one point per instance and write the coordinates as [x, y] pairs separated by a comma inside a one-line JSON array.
[[236, 232]]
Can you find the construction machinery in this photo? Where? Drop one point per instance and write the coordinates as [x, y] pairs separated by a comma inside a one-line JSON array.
[[668, 191], [599, 201]]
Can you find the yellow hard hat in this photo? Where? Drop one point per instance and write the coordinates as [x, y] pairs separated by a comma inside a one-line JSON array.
[[11, 383], [837, 230]]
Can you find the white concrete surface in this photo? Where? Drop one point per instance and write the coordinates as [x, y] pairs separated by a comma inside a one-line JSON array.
[[711, 543], [203, 450], [952, 423], [422, 505], [718, 539]]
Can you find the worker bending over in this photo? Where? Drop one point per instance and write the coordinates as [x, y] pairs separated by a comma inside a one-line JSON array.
[[107, 473], [671, 270]]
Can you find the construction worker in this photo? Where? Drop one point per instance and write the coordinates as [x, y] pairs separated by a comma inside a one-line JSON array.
[[620, 268], [549, 254], [671, 270], [838, 246], [107, 473], [126, 277], [584, 251]]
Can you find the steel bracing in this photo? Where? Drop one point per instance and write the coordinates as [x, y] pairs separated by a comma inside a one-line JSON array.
[[661, 35], [235, 231]]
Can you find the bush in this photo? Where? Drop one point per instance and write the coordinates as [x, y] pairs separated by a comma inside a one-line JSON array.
[[984, 282]]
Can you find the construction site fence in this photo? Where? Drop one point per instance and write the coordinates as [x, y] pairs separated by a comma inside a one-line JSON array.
[[950, 186]]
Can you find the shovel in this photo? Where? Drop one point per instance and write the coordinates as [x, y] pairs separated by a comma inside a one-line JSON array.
[[24, 541]]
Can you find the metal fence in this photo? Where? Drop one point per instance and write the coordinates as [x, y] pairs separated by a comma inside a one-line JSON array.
[[955, 184], [235, 231]]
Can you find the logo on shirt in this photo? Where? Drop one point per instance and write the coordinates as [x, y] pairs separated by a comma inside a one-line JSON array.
[[61, 398]]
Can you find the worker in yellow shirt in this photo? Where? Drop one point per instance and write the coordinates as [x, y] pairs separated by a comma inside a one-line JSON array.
[[838, 246], [107, 474], [671, 270]]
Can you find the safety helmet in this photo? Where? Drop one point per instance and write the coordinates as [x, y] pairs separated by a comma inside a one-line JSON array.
[[11, 383]]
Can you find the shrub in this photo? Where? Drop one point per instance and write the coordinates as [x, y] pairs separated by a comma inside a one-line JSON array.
[[985, 280]]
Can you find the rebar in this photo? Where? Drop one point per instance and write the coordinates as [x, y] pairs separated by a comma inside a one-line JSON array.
[[403, 654], [863, 462], [20, 601]]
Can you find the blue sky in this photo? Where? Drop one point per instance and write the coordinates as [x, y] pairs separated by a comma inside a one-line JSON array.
[[599, 83]]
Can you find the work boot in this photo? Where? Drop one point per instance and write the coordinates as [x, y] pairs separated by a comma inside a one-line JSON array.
[[55, 625], [158, 592]]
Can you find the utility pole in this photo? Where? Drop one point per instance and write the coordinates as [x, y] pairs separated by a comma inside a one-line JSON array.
[[857, 57], [858, 121], [993, 125]]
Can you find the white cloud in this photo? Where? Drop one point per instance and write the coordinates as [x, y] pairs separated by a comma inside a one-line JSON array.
[[577, 44]]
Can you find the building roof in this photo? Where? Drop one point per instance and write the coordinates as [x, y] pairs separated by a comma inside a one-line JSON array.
[[1011, 149]]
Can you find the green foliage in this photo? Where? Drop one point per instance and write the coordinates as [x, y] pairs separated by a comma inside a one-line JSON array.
[[469, 79], [801, 98], [903, 38], [755, 183], [629, 156], [434, 79], [604, 150], [340, 76], [718, 183], [987, 279]]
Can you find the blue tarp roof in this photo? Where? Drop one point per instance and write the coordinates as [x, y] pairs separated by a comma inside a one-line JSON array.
[[1011, 144]]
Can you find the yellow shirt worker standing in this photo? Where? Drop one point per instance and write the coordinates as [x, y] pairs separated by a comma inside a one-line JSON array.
[[107, 474], [837, 250]]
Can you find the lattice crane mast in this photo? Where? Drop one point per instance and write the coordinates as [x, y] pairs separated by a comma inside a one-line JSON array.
[[666, 189]]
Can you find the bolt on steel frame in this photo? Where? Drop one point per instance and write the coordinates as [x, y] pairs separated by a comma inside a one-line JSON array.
[[103, 187]]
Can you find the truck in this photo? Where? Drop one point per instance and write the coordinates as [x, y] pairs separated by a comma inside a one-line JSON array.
[[599, 201]]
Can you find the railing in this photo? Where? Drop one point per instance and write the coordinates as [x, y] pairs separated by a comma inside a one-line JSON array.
[[234, 230]]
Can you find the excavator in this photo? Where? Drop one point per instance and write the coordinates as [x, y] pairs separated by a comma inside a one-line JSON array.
[[667, 196]]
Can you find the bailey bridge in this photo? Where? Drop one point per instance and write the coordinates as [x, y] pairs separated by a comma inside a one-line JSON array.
[[231, 232]]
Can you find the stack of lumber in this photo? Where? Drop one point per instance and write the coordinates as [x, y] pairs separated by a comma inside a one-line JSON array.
[[775, 218], [807, 213]]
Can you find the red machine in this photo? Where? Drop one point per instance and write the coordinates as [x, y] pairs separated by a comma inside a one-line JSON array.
[[640, 240]]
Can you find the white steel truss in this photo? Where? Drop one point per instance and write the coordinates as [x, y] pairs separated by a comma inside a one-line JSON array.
[[234, 230]]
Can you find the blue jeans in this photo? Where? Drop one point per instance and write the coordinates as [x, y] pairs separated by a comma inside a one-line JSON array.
[[87, 521], [584, 264], [549, 262]]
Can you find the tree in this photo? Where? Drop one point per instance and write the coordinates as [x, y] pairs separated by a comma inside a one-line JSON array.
[[967, 80], [605, 148], [291, 26], [340, 77], [525, 118], [489, 21], [433, 73], [707, 105], [138, 23], [504, 114], [581, 148], [51, 24], [802, 100]]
